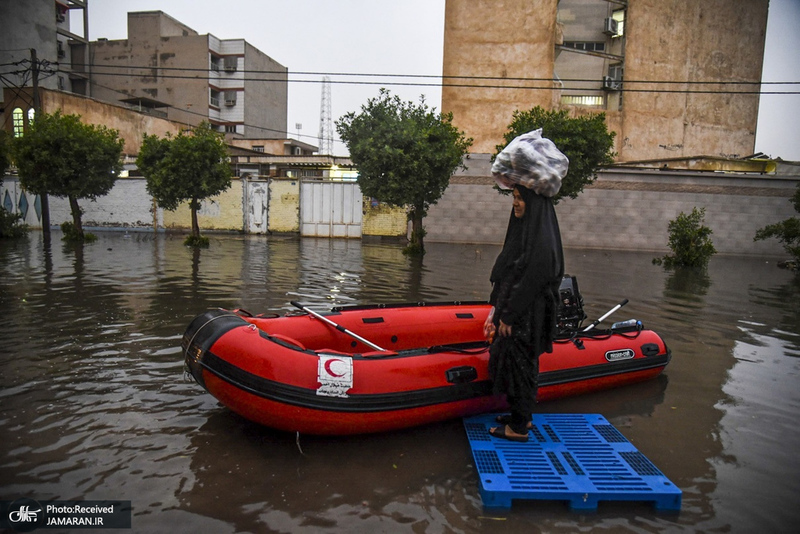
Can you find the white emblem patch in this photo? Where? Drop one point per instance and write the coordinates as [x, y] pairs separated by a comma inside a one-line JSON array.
[[335, 375], [621, 354]]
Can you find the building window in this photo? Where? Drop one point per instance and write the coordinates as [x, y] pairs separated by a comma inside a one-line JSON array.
[[583, 100], [31, 116], [18, 120], [589, 46], [213, 98], [215, 60], [258, 148], [619, 16], [231, 128]]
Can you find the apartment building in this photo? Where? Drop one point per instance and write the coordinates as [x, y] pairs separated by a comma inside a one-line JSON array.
[[675, 79], [166, 68], [58, 31]]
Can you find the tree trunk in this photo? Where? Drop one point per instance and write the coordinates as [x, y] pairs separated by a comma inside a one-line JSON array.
[[76, 216], [417, 244], [195, 205]]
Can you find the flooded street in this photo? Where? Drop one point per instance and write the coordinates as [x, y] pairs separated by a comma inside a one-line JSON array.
[[94, 403]]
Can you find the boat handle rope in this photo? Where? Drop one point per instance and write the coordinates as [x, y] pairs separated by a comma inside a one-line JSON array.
[[186, 352]]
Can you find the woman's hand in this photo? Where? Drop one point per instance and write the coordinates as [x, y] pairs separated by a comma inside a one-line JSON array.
[[488, 327], [504, 330]]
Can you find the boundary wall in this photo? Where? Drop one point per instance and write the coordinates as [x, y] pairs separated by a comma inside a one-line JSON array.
[[628, 210], [624, 209]]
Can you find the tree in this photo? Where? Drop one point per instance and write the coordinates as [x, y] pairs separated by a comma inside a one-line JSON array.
[[585, 140], [787, 232], [690, 241], [191, 166], [10, 223], [405, 155], [64, 157]]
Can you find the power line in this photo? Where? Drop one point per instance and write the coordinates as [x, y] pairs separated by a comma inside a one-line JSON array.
[[284, 133], [502, 86], [287, 77], [432, 76]]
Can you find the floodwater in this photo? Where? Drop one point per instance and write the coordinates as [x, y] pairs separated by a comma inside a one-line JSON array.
[[94, 403]]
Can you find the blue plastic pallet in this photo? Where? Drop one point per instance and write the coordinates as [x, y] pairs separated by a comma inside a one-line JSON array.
[[580, 458]]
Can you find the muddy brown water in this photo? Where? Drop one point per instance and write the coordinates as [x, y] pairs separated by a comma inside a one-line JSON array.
[[94, 403]]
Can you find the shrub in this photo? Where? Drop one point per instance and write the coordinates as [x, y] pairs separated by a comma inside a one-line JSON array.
[[11, 224], [689, 240], [787, 232], [72, 235], [196, 241]]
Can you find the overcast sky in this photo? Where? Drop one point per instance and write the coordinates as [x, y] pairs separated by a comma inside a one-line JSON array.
[[400, 42]]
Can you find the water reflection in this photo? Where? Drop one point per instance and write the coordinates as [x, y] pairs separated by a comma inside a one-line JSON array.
[[94, 403]]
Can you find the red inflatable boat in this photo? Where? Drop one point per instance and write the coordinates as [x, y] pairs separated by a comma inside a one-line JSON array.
[[318, 374]]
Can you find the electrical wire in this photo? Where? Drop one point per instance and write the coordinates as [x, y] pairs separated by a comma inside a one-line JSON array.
[[387, 79], [425, 76]]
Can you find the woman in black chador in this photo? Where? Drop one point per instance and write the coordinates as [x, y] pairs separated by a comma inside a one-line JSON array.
[[525, 279]]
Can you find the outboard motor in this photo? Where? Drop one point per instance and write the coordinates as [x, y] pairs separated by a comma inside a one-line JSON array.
[[570, 307]]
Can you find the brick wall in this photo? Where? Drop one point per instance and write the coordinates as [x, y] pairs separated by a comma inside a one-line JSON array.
[[383, 220], [623, 209], [284, 205], [221, 212], [628, 210]]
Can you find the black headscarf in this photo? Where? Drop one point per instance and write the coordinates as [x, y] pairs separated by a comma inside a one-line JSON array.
[[531, 263]]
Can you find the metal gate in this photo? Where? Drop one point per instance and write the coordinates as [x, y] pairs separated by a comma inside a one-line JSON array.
[[330, 209]]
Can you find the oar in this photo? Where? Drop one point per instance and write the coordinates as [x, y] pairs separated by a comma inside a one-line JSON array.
[[337, 327], [600, 320]]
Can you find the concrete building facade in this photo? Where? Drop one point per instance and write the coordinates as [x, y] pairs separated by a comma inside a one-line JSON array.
[[675, 79], [166, 68], [58, 30]]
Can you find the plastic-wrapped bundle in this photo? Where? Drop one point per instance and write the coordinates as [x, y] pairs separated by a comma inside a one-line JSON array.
[[532, 161]]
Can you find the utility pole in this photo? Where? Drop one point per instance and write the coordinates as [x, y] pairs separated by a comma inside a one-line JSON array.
[[37, 106], [325, 121]]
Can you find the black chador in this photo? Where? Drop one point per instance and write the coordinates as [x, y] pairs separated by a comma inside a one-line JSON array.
[[526, 278]]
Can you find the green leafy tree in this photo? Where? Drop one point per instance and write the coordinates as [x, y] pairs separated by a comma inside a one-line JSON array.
[[585, 140], [690, 241], [405, 155], [786, 231], [191, 166], [66, 158], [10, 223]]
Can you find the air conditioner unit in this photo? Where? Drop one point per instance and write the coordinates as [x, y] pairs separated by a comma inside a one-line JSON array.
[[230, 102], [611, 84], [610, 26]]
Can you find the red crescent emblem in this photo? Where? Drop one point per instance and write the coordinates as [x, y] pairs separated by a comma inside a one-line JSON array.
[[330, 371]]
